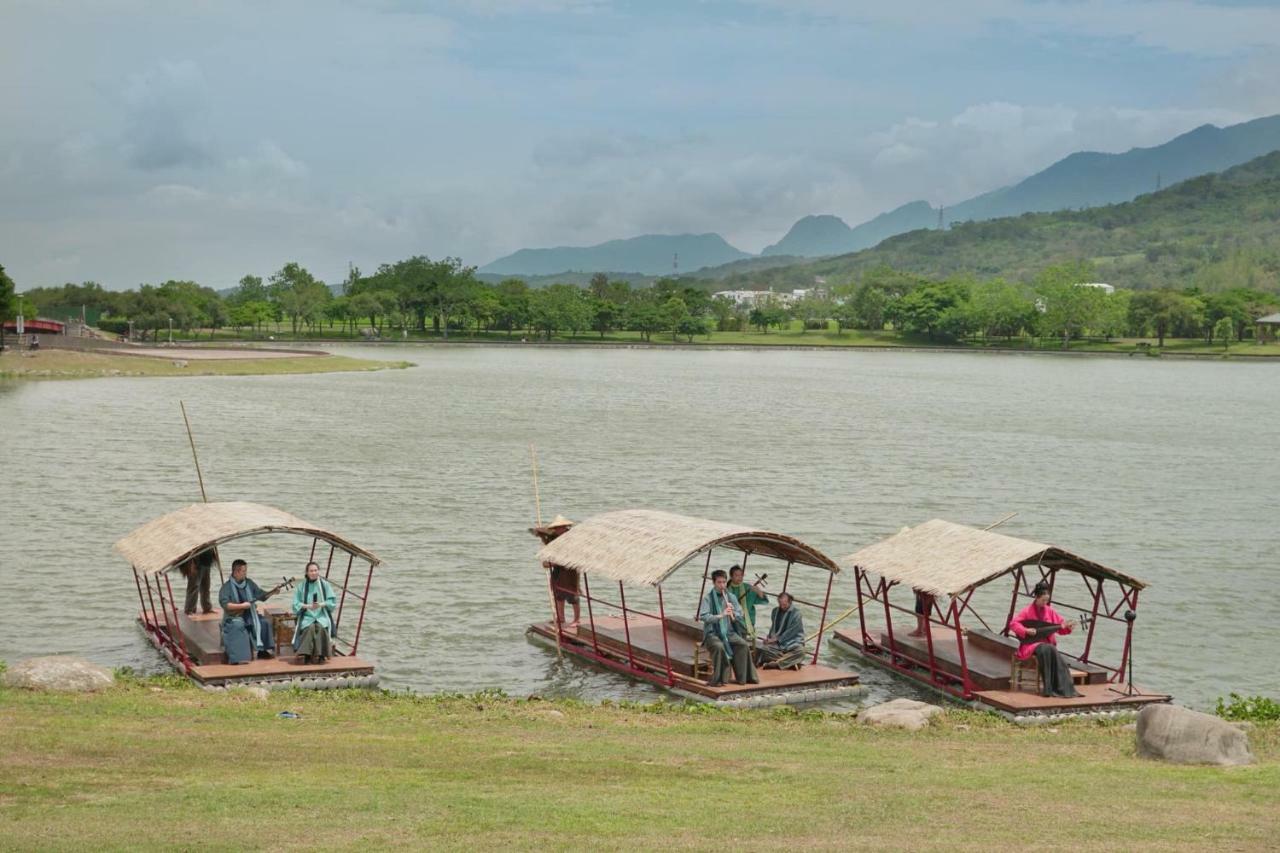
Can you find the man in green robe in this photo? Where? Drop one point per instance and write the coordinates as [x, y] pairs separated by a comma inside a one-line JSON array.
[[723, 633], [748, 597]]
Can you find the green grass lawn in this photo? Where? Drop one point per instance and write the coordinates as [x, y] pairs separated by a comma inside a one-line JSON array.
[[150, 763]]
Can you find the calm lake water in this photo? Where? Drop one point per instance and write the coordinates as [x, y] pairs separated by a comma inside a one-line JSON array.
[[1166, 470]]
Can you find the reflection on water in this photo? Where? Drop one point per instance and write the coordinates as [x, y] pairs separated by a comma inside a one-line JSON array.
[[1165, 470]]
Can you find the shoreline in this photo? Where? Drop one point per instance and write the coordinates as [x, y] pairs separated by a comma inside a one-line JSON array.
[[53, 363], [748, 347]]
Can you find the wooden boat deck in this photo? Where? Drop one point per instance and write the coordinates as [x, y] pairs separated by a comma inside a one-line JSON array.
[[989, 671], [203, 642], [647, 649]]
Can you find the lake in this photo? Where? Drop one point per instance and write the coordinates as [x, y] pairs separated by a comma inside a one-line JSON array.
[[1167, 470]]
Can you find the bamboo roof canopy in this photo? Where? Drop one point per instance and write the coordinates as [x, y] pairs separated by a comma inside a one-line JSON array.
[[642, 547], [944, 558], [171, 539]]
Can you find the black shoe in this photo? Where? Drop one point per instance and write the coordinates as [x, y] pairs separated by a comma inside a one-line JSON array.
[[715, 684], [265, 656], [189, 612]]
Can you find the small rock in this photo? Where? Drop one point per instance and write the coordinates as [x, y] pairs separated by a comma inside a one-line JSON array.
[[262, 694], [1183, 736], [900, 713], [59, 672], [554, 713]]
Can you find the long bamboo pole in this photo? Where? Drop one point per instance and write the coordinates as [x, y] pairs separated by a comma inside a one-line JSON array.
[[200, 477], [537, 511], [1001, 521]]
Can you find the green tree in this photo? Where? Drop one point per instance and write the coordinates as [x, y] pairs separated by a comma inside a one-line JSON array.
[[1001, 308], [513, 305], [250, 289], [298, 293], [8, 301], [1067, 308], [1162, 312], [1224, 329]]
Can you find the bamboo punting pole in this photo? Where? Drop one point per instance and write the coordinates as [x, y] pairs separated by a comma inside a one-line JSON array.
[[1001, 521], [200, 477], [537, 514]]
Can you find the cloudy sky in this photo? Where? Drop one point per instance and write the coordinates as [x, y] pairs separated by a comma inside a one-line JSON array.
[[143, 141]]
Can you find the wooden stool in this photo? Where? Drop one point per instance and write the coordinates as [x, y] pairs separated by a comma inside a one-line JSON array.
[[698, 663], [1021, 670]]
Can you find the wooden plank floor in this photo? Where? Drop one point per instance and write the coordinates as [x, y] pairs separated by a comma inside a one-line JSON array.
[[646, 640], [1094, 695], [203, 640]]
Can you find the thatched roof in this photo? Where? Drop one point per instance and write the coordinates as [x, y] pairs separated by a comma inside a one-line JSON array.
[[644, 546], [945, 558], [164, 542], [1270, 319]]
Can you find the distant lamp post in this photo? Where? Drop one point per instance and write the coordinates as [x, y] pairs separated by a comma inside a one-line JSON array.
[[131, 331], [170, 330]]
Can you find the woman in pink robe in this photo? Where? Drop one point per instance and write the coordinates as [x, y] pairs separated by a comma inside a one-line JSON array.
[[1055, 674]]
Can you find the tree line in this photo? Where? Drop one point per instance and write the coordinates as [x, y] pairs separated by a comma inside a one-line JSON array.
[[444, 296]]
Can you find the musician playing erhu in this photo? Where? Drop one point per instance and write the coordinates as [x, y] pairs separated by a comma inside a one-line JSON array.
[[724, 634], [748, 597], [244, 630], [313, 604], [1055, 673]]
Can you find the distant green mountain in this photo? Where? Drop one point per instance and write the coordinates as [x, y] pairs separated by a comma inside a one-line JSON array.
[[1212, 231], [1083, 179], [651, 254], [816, 236]]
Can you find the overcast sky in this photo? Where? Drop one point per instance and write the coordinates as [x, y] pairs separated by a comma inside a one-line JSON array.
[[142, 141]]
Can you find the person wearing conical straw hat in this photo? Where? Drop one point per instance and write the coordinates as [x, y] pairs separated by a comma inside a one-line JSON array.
[[564, 581]]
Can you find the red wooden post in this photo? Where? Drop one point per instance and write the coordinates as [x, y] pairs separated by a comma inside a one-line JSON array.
[[928, 639], [858, 577], [586, 584], [141, 603], [364, 602], [312, 557], [964, 666], [343, 599], [831, 578], [181, 640], [1093, 621], [786, 577], [662, 614], [1018, 582], [155, 620], [329, 564], [626, 625], [888, 618]]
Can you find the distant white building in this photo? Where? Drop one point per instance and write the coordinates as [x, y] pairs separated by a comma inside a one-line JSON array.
[[752, 298], [1105, 288]]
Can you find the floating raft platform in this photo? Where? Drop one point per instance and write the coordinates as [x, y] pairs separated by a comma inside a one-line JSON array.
[[202, 637], [647, 661], [990, 670]]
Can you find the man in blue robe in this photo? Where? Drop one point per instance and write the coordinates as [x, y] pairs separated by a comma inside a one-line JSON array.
[[244, 631]]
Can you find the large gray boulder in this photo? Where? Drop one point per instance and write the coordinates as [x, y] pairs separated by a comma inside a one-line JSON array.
[[906, 714], [1183, 736], [59, 672]]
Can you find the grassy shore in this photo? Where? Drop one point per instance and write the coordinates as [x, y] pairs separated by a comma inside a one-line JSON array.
[[794, 335], [75, 364], [153, 763]]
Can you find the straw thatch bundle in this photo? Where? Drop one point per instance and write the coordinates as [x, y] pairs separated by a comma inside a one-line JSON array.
[[945, 558], [169, 540], [643, 546]]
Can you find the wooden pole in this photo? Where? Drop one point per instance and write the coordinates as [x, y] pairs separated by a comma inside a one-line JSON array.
[[537, 510], [1001, 521], [200, 477]]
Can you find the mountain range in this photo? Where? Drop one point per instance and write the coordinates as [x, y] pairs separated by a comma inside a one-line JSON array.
[[1213, 232], [1081, 180]]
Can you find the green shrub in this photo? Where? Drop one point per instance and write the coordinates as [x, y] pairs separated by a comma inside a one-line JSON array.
[[1248, 708]]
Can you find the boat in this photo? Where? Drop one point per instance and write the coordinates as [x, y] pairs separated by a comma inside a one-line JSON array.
[[193, 643], [961, 654], [635, 553]]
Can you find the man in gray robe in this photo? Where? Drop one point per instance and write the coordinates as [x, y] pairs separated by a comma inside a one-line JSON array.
[[244, 631], [785, 644]]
